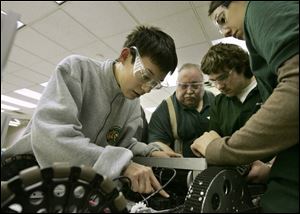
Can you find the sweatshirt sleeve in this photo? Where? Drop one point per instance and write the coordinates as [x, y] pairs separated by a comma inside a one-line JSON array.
[[56, 129], [274, 128], [129, 131]]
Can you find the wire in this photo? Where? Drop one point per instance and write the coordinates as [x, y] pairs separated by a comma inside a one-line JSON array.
[[160, 174], [147, 198], [173, 176], [144, 199]]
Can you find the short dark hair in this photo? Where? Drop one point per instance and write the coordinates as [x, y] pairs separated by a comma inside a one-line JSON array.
[[215, 4], [223, 57], [155, 44]]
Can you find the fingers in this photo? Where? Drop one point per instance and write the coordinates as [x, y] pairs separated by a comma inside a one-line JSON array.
[[148, 186], [143, 180], [134, 183], [156, 185], [174, 154]]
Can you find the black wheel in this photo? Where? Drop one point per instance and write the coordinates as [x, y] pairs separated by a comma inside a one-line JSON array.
[[61, 188], [11, 167]]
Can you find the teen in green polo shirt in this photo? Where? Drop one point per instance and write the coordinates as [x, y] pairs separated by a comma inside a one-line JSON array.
[[228, 68]]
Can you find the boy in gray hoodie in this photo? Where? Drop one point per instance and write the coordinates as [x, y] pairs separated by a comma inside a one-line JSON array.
[[90, 110]]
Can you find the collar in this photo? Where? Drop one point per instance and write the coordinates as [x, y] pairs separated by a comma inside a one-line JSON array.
[[111, 82], [244, 93]]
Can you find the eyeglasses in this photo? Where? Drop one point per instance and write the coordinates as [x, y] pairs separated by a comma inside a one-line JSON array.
[[220, 22], [143, 74], [193, 85], [221, 79]]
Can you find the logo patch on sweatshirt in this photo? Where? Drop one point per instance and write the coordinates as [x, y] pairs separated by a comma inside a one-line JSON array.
[[113, 135]]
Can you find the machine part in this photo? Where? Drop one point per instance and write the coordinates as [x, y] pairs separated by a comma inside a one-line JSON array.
[[11, 167], [61, 188], [219, 190], [173, 163]]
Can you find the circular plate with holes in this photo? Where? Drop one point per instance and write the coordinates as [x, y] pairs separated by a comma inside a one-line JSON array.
[[218, 190], [61, 188]]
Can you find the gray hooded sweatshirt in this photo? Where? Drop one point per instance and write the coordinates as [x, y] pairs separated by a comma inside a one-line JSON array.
[[83, 118]]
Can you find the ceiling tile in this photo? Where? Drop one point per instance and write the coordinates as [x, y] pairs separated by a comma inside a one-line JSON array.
[[117, 41], [30, 11], [42, 46], [12, 67], [210, 28], [23, 57], [15, 80], [97, 50], [7, 87], [57, 58], [201, 4], [29, 75], [37, 88], [192, 54], [64, 30], [183, 27], [44, 68], [146, 11], [103, 18]]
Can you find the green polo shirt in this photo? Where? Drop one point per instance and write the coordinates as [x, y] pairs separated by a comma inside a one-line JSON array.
[[191, 124], [229, 114], [272, 37]]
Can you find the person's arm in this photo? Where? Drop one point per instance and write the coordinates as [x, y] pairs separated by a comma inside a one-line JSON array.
[[140, 148], [57, 131], [272, 129]]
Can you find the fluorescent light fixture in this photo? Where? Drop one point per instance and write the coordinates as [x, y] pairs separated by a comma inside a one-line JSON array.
[[14, 122], [8, 107], [19, 23], [150, 109], [59, 2], [29, 93], [231, 40], [17, 102], [44, 84]]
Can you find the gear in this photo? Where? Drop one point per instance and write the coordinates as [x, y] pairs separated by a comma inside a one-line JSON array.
[[218, 190], [61, 188]]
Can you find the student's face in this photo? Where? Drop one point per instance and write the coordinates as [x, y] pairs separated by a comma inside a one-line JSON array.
[[140, 77], [229, 82], [190, 87], [230, 21]]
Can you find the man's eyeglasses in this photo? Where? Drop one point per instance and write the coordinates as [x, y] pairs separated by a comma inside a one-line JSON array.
[[143, 74], [193, 85], [221, 79]]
